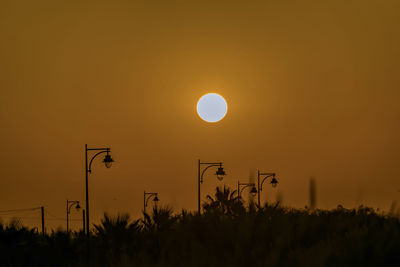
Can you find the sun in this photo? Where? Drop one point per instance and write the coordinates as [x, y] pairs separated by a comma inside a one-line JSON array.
[[212, 107]]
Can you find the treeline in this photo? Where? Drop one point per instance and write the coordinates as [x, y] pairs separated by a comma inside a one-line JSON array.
[[226, 234]]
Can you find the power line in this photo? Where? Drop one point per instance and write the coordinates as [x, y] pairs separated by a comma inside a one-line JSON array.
[[39, 218], [49, 213], [19, 210], [58, 218], [18, 217], [10, 212], [13, 213], [54, 217]]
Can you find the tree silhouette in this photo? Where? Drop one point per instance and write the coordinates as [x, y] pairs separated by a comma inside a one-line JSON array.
[[113, 237], [225, 202], [160, 219]]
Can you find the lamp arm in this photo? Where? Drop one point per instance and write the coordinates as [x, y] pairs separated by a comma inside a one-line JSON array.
[[241, 191], [69, 208], [98, 153], [148, 198], [71, 204], [209, 166], [265, 178], [245, 185]]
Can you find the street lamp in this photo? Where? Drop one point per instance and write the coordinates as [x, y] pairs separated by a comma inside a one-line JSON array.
[[146, 199], [253, 190], [70, 204], [263, 177], [220, 173], [88, 169]]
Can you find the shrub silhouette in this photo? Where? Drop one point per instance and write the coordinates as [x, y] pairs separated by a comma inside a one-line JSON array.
[[226, 234]]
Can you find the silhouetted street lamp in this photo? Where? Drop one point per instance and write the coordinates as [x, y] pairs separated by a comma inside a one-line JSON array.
[[146, 199], [88, 169], [253, 190], [265, 176], [70, 204], [220, 173]]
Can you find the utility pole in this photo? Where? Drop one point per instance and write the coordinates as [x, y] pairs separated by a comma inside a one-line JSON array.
[[83, 219], [313, 194], [42, 210], [198, 187], [87, 189], [67, 217]]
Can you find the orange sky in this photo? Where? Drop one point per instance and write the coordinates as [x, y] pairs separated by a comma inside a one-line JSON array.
[[312, 89]]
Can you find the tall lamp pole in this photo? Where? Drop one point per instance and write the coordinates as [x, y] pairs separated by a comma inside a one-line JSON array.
[[220, 173], [83, 220], [253, 190], [146, 198], [88, 169], [70, 204], [264, 176]]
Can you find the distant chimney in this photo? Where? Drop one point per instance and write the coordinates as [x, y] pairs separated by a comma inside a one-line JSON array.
[[313, 193]]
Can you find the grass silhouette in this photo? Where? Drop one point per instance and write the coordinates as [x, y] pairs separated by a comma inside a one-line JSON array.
[[226, 234]]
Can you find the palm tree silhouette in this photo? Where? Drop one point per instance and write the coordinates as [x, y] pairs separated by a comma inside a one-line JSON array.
[[225, 201], [113, 235], [161, 218]]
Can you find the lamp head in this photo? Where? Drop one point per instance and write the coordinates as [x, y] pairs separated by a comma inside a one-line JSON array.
[[220, 173], [253, 191], [156, 199], [108, 161], [78, 207], [274, 182]]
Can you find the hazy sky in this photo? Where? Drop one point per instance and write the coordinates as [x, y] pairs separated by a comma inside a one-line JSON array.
[[312, 89]]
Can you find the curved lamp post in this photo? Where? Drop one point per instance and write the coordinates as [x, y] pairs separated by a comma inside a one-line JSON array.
[[70, 204], [88, 169], [263, 177], [253, 190], [220, 175], [146, 198]]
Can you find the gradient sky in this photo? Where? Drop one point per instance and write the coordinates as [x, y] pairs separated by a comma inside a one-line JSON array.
[[312, 89]]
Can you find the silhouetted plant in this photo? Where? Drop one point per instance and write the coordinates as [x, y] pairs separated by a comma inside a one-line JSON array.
[[226, 234], [113, 236], [160, 219], [224, 202]]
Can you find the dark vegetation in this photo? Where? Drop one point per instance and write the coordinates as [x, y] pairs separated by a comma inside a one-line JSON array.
[[227, 234]]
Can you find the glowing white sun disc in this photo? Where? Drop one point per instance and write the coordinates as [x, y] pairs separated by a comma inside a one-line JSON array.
[[212, 107]]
